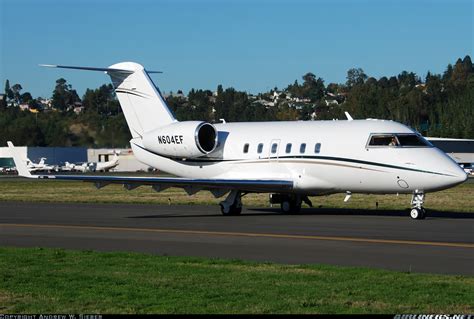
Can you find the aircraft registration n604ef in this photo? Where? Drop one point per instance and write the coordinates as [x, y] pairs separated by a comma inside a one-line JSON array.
[[289, 160]]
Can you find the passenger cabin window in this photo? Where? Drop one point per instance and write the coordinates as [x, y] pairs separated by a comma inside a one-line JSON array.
[[274, 148], [317, 148], [246, 148], [303, 148], [288, 148], [398, 140], [260, 148]]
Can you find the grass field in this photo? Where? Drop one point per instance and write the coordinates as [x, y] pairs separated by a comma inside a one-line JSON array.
[[39, 280], [457, 199]]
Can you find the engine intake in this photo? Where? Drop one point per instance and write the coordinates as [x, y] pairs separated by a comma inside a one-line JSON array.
[[206, 137], [182, 139]]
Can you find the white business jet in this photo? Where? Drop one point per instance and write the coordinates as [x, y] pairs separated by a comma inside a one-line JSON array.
[[72, 167], [40, 166], [289, 160], [92, 166], [105, 166]]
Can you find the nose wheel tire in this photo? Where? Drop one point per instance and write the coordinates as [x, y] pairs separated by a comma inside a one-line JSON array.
[[418, 213]]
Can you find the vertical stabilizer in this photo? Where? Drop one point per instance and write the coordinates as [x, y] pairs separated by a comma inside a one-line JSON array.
[[142, 103], [19, 162]]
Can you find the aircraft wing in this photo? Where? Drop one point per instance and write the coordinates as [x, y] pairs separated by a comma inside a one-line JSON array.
[[191, 185]]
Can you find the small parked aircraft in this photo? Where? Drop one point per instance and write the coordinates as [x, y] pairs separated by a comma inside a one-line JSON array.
[[71, 167], [105, 166], [92, 166], [40, 166]]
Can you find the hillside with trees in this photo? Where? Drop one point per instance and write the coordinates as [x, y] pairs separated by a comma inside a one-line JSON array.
[[440, 105]]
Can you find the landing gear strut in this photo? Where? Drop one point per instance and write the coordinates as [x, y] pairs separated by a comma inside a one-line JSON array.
[[232, 205], [417, 211]]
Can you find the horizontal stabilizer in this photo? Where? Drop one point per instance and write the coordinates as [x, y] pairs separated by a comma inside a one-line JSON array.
[[93, 69]]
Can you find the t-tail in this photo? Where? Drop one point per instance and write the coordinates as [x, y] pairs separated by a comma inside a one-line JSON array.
[[142, 103], [152, 125]]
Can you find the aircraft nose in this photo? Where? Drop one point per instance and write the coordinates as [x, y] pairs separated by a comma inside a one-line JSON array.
[[460, 176]]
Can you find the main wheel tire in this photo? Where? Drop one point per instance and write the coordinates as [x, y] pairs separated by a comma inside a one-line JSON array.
[[290, 207], [225, 210], [295, 208], [285, 207], [236, 210], [231, 210], [423, 213]]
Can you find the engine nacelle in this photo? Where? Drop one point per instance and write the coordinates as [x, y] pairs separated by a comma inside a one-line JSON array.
[[182, 139]]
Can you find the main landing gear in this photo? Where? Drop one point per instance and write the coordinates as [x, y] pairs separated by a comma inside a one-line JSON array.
[[232, 205], [290, 204], [417, 211]]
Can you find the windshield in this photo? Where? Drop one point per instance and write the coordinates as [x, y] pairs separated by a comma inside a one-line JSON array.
[[412, 140], [398, 140]]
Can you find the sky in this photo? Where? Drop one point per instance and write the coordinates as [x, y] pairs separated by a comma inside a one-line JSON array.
[[251, 45]]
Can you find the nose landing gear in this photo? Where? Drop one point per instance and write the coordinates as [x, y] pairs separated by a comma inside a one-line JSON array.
[[417, 211]]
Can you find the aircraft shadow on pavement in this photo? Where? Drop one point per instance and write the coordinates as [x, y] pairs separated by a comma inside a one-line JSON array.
[[249, 212], [204, 215], [366, 212]]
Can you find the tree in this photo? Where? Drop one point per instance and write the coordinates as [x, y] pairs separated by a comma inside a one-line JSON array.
[[408, 80], [8, 91], [26, 97], [309, 78], [460, 73], [313, 87], [102, 100], [383, 82], [355, 77], [447, 74], [16, 89], [63, 95]]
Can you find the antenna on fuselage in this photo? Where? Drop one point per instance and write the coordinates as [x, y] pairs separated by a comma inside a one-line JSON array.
[[349, 117]]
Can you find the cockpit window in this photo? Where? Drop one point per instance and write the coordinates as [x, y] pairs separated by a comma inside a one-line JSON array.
[[383, 140], [398, 140], [412, 140]]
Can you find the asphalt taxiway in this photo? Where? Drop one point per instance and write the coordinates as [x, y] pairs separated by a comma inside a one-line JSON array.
[[442, 243]]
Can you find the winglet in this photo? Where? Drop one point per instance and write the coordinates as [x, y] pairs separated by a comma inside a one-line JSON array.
[[19, 163], [349, 117]]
